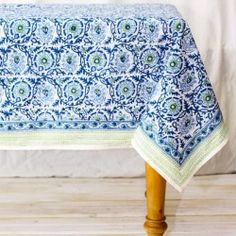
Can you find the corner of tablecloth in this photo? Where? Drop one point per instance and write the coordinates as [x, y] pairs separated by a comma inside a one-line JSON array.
[[176, 175]]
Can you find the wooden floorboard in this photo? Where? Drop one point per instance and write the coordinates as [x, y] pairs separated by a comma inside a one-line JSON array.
[[113, 206]]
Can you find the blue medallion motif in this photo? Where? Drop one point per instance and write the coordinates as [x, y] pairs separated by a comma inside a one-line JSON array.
[[73, 92], [149, 58], [19, 30], [125, 91], [17, 61], [21, 91], [72, 30], [97, 61], [126, 29], [43, 61], [174, 63]]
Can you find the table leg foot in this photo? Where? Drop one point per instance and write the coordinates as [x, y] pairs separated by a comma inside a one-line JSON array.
[[155, 227]]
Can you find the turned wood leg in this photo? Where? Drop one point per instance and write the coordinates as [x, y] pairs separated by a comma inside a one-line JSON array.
[[155, 224]]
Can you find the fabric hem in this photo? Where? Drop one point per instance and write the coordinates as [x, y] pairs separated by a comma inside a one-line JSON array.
[[66, 140], [106, 146], [179, 176], [206, 159]]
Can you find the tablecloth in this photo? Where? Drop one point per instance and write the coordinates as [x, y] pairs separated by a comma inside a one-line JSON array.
[[108, 76]]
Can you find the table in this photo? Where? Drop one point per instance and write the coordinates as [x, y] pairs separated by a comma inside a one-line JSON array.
[[109, 76]]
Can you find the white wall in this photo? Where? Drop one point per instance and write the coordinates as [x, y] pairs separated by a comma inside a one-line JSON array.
[[212, 25]]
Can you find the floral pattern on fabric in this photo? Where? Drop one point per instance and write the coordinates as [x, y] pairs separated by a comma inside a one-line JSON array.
[[107, 73]]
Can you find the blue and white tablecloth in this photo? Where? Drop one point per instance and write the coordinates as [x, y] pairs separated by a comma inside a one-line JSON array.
[[107, 76]]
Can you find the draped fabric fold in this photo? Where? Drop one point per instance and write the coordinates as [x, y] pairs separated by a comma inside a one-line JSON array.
[[107, 76]]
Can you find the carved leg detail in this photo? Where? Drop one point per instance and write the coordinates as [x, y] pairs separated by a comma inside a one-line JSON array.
[[155, 224]]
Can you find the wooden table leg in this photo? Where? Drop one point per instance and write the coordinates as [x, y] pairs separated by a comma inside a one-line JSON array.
[[155, 224]]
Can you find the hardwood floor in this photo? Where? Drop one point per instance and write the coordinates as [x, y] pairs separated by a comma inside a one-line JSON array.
[[112, 207]]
